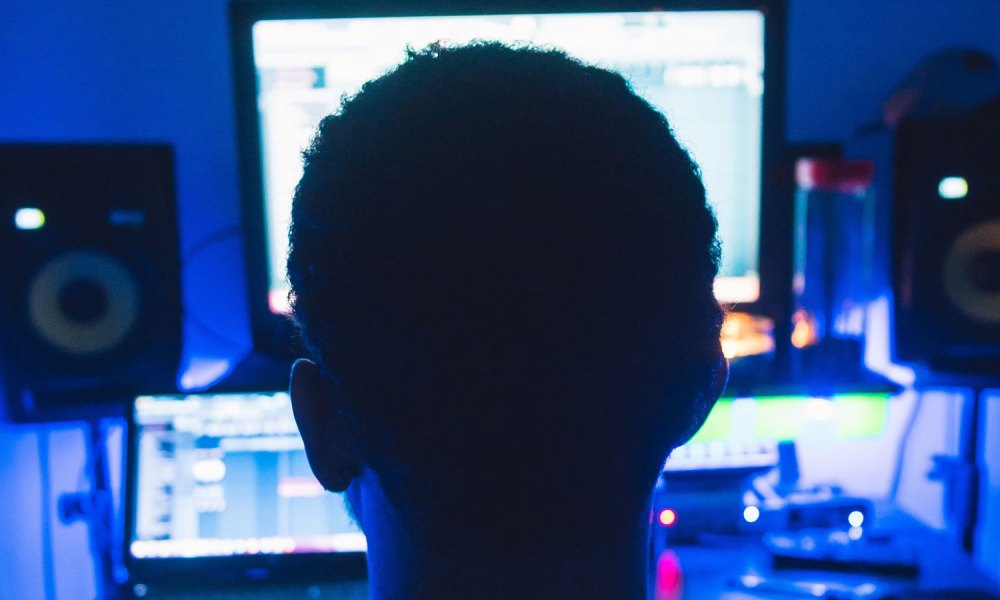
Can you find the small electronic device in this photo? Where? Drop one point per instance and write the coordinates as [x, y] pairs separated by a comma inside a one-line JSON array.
[[822, 508], [793, 588], [714, 484], [840, 550]]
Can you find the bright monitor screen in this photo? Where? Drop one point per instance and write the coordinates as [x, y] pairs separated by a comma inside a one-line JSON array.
[[220, 475], [702, 69]]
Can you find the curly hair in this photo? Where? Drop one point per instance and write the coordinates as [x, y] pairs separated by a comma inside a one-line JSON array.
[[502, 260]]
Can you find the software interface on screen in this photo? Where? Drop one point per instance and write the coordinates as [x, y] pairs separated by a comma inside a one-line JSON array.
[[226, 475], [703, 70], [745, 432]]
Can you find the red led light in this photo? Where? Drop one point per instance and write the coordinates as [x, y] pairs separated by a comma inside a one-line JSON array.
[[667, 517], [669, 577]]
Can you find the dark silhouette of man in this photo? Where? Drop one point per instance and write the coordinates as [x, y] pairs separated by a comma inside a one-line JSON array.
[[502, 264]]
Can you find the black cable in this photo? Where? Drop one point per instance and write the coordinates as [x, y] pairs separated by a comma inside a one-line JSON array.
[[48, 560], [904, 441]]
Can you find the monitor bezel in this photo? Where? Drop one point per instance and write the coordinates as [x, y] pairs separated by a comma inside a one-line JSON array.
[[273, 334], [219, 570]]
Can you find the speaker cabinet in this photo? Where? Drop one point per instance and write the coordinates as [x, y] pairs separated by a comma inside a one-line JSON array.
[[947, 243], [90, 278]]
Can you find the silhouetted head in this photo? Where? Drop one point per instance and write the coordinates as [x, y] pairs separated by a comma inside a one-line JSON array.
[[502, 262]]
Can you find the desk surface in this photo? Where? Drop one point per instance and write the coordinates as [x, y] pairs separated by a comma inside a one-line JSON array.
[[709, 571]]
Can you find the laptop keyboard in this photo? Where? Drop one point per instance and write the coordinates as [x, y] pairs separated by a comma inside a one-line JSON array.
[[327, 591]]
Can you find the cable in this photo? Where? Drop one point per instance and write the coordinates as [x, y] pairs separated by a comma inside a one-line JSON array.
[[904, 441], [48, 560]]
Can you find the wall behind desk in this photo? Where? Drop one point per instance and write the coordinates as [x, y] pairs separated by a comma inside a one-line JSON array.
[[152, 70], [142, 71]]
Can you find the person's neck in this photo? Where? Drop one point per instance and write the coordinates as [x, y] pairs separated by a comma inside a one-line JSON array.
[[590, 570], [404, 564]]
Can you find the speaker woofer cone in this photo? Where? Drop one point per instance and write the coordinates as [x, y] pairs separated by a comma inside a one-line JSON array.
[[966, 282], [84, 302]]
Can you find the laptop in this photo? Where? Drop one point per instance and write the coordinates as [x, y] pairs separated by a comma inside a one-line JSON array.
[[221, 503]]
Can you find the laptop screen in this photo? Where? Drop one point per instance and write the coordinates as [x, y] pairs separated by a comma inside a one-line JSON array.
[[226, 475]]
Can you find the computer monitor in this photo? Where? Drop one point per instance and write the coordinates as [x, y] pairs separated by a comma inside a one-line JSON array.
[[713, 68]]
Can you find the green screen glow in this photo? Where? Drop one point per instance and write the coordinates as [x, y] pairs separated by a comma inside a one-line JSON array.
[[784, 418]]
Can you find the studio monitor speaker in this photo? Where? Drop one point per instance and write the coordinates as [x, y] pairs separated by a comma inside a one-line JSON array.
[[947, 243], [90, 302]]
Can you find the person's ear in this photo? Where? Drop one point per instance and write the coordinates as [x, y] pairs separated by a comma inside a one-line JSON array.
[[331, 445]]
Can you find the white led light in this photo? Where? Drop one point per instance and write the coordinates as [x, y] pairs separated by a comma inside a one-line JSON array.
[[751, 514], [953, 188], [27, 219], [856, 518]]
